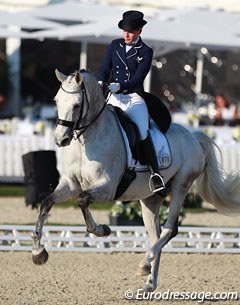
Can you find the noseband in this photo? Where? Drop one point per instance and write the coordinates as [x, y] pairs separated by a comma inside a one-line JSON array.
[[75, 126]]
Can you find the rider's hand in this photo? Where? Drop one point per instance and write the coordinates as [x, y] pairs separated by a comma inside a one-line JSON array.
[[100, 82], [114, 87]]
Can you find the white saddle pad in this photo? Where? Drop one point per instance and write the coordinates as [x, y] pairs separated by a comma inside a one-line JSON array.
[[161, 147]]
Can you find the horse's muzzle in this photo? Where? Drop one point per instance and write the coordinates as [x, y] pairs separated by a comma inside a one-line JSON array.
[[63, 136], [63, 142]]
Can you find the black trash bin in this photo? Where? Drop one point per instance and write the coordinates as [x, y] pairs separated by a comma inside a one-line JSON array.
[[40, 175]]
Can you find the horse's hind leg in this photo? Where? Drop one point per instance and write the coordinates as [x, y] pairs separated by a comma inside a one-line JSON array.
[[92, 227], [61, 193], [180, 187], [150, 211]]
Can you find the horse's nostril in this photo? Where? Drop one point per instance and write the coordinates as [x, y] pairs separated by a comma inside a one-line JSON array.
[[65, 142]]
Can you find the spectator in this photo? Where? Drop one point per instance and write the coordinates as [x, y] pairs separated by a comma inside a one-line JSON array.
[[226, 113]]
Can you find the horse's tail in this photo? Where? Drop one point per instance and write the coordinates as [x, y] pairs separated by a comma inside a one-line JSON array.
[[214, 185]]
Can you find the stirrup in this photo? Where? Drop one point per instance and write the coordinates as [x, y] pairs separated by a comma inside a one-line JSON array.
[[157, 185]]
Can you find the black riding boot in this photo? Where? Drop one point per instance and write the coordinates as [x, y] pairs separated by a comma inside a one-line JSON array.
[[156, 183]]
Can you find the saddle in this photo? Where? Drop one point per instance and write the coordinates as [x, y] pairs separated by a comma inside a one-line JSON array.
[[131, 131], [162, 119], [158, 112]]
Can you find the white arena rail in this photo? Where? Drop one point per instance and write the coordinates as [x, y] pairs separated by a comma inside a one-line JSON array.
[[13, 147], [122, 239]]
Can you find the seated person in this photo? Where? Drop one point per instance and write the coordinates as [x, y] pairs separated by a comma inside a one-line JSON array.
[[226, 113]]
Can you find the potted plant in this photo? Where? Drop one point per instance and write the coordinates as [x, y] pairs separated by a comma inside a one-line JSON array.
[[129, 213]]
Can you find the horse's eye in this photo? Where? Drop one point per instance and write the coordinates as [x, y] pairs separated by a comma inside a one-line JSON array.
[[76, 106]]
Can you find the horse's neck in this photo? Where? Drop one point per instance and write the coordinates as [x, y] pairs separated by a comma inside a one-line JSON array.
[[101, 127], [103, 139], [96, 104]]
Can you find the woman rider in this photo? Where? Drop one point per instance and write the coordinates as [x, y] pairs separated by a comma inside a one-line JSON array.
[[126, 62]]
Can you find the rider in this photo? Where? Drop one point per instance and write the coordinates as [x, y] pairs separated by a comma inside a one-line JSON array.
[[127, 61]]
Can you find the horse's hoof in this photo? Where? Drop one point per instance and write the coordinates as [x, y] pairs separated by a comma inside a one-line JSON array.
[[149, 287], [41, 258], [106, 230], [143, 269]]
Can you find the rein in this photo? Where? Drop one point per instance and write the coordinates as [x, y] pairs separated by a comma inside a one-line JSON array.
[[75, 125]]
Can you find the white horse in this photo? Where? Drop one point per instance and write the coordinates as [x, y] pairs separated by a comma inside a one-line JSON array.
[[96, 157]]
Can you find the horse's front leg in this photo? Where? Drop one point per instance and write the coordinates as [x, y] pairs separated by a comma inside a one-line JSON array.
[[62, 192], [98, 230], [39, 253]]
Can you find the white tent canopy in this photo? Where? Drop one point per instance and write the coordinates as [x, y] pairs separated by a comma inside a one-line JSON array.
[[76, 11], [9, 32], [183, 28], [25, 20], [190, 28]]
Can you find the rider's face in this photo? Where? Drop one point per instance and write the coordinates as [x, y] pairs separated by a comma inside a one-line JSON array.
[[130, 37]]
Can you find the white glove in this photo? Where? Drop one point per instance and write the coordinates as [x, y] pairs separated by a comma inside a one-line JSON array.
[[114, 87], [100, 82]]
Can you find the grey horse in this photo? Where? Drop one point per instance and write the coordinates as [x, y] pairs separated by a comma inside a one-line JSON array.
[[95, 157]]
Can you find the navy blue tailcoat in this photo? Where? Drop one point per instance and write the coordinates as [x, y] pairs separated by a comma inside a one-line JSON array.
[[128, 69]]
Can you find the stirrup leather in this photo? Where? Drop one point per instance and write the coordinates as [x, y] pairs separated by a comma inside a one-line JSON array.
[[158, 185]]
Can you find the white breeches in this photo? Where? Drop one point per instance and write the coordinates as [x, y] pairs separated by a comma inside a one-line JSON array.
[[135, 107]]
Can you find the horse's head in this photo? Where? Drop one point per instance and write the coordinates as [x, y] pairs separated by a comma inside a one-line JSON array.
[[80, 102], [72, 102], [68, 101]]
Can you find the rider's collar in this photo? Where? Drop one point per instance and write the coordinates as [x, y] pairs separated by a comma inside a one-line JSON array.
[[133, 43]]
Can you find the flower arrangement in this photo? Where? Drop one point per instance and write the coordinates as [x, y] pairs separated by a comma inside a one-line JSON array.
[[131, 210]]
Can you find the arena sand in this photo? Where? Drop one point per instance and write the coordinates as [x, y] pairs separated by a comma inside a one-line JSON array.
[[103, 279]]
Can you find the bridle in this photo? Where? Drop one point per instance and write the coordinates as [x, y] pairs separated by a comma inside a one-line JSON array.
[[75, 126]]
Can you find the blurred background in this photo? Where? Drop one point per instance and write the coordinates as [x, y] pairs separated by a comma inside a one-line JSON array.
[[196, 59]]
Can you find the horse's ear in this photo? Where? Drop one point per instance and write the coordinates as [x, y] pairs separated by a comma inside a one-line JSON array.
[[78, 77], [60, 76]]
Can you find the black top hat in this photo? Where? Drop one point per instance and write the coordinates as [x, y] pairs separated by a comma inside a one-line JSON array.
[[132, 21]]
